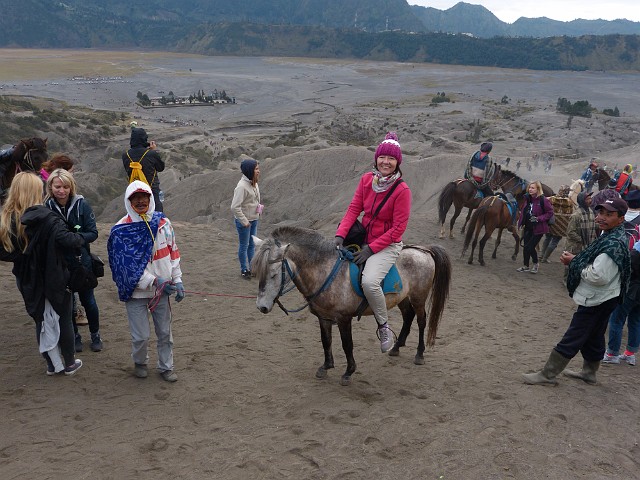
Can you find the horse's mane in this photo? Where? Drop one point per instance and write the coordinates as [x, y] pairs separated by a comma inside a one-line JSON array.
[[315, 246]]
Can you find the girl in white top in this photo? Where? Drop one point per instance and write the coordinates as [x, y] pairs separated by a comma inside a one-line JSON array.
[[246, 208]]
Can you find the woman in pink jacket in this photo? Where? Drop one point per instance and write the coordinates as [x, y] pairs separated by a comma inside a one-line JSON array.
[[384, 230]]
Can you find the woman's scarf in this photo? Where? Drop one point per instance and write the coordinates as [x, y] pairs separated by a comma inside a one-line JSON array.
[[130, 248], [380, 183], [613, 243]]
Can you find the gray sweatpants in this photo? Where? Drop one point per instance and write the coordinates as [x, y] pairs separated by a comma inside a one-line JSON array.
[[138, 314], [376, 268]]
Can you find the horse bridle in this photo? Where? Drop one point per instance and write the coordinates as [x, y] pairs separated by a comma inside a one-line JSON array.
[[287, 275], [27, 156]]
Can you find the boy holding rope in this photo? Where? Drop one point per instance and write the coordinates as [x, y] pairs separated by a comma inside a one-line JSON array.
[[145, 265]]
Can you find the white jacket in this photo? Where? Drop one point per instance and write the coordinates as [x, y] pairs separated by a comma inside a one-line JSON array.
[[599, 282], [245, 201]]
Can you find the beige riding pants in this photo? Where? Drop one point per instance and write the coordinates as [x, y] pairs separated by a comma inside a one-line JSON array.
[[376, 268]]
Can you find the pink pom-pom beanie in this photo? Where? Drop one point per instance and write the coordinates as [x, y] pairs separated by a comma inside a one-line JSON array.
[[390, 146]]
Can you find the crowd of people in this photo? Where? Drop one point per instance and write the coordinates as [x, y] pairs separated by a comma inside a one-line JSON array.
[[47, 227]]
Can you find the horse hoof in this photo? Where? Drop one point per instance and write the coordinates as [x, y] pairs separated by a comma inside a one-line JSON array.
[[482, 263], [470, 262], [321, 372], [394, 352], [345, 381], [418, 360], [451, 235], [513, 257]]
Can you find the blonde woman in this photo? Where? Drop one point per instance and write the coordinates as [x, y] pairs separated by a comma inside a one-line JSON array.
[[32, 237], [62, 198], [534, 215]]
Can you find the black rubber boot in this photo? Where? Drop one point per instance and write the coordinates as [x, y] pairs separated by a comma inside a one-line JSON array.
[[548, 374]]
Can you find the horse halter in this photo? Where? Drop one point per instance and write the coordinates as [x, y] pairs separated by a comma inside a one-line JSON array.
[[286, 271]]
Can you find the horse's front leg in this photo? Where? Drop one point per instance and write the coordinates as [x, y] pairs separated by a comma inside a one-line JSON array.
[[325, 336], [516, 237], [344, 324]]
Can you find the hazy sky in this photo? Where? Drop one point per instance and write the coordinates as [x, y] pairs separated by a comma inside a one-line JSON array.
[[565, 10]]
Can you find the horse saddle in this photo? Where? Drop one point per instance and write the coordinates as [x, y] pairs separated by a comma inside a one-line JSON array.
[[392, 283], [510, 200]]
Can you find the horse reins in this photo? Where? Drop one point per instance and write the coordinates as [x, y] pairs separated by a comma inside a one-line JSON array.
[[27, 156]]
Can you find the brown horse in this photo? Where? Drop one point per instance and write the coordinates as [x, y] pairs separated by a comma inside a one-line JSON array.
[[321, 274], [492, 213], [511, 183], [604, 179], [461, 193], [27, 155]]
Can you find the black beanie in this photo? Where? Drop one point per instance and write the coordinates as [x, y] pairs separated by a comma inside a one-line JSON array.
[[247, 167]]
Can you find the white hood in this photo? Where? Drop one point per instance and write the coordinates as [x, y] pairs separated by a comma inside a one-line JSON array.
[[133, 187]]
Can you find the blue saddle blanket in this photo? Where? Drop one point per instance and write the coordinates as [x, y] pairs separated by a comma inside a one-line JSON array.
[[392, 283]]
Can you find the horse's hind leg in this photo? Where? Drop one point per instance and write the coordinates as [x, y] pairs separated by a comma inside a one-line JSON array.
[[407, 319], [325, 336], [469, 212], [495, 249], [421, 314], [456, 214], [347, 345], [483, 242]]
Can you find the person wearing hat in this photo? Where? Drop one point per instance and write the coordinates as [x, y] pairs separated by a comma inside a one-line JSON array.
[[246, 208], [145, 266], [480, 168], [598, 277], [142, 162], [589, 176], [629, 310], [384, 231]]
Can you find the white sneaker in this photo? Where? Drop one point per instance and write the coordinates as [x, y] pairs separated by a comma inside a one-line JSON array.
[[613, 359], [630, 359], [386, 338]]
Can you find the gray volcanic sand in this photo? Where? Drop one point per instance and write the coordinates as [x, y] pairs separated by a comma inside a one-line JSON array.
[[247, 403]]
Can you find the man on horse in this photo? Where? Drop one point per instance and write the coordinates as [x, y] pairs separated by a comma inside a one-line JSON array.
[[480, 168], [623, 180], [589, 176]]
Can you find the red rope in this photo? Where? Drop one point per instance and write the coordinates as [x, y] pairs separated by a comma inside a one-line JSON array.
[[219, 294]]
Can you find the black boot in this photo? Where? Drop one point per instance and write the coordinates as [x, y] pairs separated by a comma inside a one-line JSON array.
[[548, 374], [588, 372]]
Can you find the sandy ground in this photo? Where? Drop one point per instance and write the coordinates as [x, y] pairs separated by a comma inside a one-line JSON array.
[[247, 403]]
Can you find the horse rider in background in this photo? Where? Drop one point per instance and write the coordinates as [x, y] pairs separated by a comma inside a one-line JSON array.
[[589, 176], [623, 180], [480, 168]]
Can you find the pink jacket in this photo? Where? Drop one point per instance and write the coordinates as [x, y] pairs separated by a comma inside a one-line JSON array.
[[391, 221]]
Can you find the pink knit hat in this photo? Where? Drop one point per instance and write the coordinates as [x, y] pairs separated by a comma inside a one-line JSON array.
[[390, 146]]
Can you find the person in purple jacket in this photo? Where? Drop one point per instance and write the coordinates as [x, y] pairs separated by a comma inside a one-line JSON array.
[[384, 230], [534, 215]]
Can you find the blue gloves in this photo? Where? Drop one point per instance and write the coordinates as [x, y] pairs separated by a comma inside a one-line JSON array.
[[360, 257], [167, 286], [179, 292]]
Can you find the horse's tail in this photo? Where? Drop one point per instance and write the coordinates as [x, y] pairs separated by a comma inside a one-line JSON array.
[[474, 224], [445, 200], [439, 290]]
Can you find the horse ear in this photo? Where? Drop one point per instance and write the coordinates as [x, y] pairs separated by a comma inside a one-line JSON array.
[[256, 241]]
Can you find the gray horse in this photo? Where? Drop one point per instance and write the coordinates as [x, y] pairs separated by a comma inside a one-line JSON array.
[[321, 275]]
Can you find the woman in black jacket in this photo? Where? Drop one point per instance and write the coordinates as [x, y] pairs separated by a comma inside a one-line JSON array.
[[63, 199], [144, 152], [32, 237]]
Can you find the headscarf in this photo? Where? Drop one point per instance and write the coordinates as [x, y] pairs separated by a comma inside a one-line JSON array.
[[613, 243], [131, 244]]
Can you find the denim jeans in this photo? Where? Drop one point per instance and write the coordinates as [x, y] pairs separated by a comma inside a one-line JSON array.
[[246, 247], [88, 301], [628, 310]]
